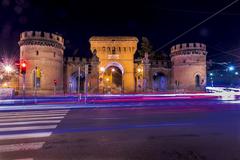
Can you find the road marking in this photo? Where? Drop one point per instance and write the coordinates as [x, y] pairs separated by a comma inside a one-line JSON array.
[[21, 147], [27, 128], [25, 136], [27, 125], [30, 119], [32, 115], [33, 112], [30, 122]]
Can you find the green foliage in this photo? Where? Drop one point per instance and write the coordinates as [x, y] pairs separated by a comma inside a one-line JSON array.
[[146, 47]]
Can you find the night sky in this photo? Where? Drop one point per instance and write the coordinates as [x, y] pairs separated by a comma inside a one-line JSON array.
[[160, 21]]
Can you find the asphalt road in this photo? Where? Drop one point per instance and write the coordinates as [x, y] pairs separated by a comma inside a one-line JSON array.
[[162, 130]]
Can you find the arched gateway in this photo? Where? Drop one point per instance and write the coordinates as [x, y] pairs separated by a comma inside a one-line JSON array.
[[116, 63]]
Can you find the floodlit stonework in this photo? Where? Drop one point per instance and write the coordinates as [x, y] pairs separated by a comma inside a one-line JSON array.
[[44, 51], [113, 68], [189, 66]]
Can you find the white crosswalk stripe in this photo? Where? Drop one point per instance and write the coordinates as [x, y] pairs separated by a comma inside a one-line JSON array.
[[27, 125]]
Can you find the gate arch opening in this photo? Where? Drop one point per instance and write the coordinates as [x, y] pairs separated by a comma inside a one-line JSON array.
[[74, 83], [113, 80], [160, 82]]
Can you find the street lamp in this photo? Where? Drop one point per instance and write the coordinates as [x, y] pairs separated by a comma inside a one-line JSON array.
[[102, 69], [231, 68], [8, 68], [211, 77], [139, 70]]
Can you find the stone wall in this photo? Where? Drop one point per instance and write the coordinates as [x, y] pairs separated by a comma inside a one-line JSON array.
[[45, 51]]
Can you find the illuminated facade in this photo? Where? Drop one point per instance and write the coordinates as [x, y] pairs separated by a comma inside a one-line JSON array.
[[42, 52], [112, 67]]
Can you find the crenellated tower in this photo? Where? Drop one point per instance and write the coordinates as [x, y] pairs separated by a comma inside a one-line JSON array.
[[189, 66], [43, 51]]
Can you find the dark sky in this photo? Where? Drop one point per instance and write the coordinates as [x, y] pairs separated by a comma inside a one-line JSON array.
[[159, 20]]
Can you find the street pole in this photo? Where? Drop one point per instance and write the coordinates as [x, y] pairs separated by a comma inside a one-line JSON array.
[[24, 85], [86, 83], [111, 82], [54, 90], [35, 82], [79, 83]]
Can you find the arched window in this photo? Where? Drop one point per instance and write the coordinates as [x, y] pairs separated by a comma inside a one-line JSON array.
[[197, 81]]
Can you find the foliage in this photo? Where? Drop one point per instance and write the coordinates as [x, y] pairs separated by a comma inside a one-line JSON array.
[[146, 47]]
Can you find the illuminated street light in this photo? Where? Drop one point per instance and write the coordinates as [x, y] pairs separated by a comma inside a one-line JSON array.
[[102, 69], [211, 74], [236, 73], [139, 70], [113, 69], [5, 85], [231, 68], [8, 68]]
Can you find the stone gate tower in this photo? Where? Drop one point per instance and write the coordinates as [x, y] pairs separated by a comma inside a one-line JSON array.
[[116, 52], [43, 51], [189, 66]]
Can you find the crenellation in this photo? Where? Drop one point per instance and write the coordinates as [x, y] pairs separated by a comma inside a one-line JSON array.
[[187, 46], [41, 36]]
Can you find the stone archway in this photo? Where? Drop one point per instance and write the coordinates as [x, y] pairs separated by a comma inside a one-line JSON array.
[[116, 52], [74, 83], [113, 80], [160, 82]]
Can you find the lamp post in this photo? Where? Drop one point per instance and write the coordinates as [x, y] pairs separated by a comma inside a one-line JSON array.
[[8, 69], [102, 70], [112, 70], [211, 77]]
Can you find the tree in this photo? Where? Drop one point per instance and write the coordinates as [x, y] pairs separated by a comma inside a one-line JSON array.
[[146, 47]]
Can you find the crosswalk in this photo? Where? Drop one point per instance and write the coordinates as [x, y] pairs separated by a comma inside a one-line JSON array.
[[22, 125]]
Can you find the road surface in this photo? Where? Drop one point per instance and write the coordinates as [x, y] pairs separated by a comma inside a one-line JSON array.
[[166, 130]]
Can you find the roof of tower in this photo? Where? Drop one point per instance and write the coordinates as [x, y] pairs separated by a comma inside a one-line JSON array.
[[113, 38]]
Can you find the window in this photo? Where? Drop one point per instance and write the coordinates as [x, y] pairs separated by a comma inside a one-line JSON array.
[[37, 53], [113, 50], [197, 81], [54, 54]]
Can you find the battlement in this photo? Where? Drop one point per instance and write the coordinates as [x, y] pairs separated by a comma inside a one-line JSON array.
[[41, 35], [75, 60], [188, 46], [113, 38]]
